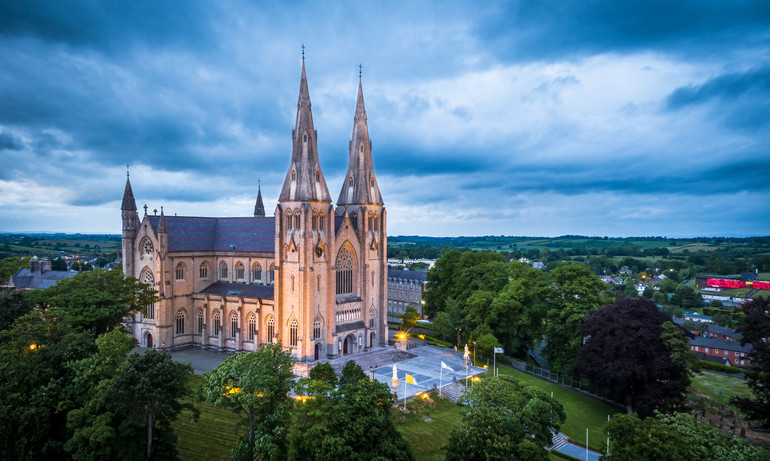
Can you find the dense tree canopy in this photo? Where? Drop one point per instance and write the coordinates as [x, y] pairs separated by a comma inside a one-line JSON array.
[[636, 353], [756, 332], [256, 387], [505, 419]]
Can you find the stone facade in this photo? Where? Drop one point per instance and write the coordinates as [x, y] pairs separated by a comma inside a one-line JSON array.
[[313, 276], [405, 289]]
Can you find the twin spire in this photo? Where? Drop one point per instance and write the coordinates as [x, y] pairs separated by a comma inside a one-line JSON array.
[[305, 181]]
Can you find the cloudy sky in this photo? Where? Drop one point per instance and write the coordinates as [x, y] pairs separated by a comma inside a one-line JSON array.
[[537, 118]]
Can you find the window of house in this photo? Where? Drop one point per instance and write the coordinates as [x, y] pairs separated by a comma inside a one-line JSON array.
[[252, 327], [217, 323], [204, 271], [256, 273], [293, 332], [179, 271], [344, 265], [223, 271], [233, 325], [270, 329], [200, 322], [240, 271], [180, 323]]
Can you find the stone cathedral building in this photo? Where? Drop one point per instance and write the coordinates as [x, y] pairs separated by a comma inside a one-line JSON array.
[[313, 277]]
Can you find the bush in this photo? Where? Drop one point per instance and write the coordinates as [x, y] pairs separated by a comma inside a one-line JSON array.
[[718, 367]]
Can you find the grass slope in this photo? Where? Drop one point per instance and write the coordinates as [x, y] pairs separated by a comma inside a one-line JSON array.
[[427, 438]]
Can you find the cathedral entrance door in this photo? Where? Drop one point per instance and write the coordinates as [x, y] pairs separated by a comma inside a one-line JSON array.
[[149, 340], [371, 339], [317, 350], [345, 347]]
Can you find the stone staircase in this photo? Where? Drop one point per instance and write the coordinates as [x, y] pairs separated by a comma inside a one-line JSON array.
[[559, 440], [453, 391]]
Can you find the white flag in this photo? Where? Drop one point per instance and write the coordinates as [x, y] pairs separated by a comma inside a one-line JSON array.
[[444, 365], [499, 350]]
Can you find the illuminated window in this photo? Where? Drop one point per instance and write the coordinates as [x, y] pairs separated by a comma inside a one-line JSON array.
[[200, 321], [270, 329], [293, 332], [344, 272], [223, 271], [233, 325], [240, 271], [180, 322], [252, 327], [179, 271], [256, 273], [217, 323], [204, 271]]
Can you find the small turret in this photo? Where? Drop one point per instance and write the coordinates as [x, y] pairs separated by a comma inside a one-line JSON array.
[[259, 208]]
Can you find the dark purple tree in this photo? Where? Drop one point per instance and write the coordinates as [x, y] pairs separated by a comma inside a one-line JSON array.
[[626, 354], [757, 332]]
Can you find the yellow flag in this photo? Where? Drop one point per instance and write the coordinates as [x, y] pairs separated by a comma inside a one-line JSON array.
[[410, 379]]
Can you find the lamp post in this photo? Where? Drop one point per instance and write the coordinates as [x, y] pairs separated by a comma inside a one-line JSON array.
[[373, 370], [458, 337]]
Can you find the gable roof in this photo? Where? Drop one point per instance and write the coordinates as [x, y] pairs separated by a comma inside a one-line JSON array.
[[411, 276], [33, 280], [191, 233], [240, 290], [720, 344]]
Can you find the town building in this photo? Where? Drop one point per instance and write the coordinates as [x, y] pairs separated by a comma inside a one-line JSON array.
[[733, 352], [313, 276], [405, 289], [38, 276]]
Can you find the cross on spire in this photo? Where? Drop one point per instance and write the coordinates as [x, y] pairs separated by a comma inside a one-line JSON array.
[[360, 71], [126, 169], [303, 52]]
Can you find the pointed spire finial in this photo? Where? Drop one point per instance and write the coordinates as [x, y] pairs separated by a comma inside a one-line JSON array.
[[303, 52], [259, 184], [127, 170], [360, 71]]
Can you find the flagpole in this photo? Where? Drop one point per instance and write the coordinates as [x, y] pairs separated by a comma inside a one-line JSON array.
[[440, 377], [405, 379]]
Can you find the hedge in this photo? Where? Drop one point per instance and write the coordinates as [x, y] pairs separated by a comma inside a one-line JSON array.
[[719, 367]]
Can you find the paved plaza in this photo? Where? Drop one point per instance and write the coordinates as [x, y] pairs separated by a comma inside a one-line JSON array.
[[422, 363]]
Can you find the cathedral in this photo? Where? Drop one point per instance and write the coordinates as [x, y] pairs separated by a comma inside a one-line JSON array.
[[313, 276]]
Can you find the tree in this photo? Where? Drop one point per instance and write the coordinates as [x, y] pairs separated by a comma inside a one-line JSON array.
[[686, 298], [698, 327], [58, 264], [98, 300], [505, 419], [443, 328], [256, 387], [632, 439], [576, 292], [629, 353], [146, 396], [486, 344], [323, 372], [409, 318], [756, 332], [351, 422], [13, 304]]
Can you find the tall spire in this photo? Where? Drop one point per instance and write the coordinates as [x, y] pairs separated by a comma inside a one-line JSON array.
[[128, 208], [259, 208], [304, 180], [162, 222], [360, 186]]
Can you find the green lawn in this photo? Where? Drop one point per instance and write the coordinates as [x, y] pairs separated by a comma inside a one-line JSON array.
[[212, 437], [427, 438], [582, 411], [713, 384]]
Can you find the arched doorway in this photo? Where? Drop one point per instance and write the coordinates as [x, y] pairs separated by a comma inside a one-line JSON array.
[[345, 347], [317, 350], [349, 345], [371, 339], [148, 341]]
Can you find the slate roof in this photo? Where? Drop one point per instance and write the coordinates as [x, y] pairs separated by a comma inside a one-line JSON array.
[[713, 359], [716, 329], [411, 276], [720, 344], [27, 279], [351, 326], [240, 290], [191, 233]]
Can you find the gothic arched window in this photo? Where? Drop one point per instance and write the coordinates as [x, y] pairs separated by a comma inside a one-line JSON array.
[[180, 271], [270, 329], [293, 332], [204, 271], [180, 322], [317, 328], [233, 325], [240, 271], [256, 273], [200, 321], [217, 323], [252, 327], [344, 272], [223, 271], [271, 275]]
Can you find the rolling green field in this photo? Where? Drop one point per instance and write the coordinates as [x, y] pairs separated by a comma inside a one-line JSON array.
[[720, 386]]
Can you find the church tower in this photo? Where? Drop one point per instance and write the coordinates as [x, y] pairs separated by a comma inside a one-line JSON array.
[[361, 201], [302, 232], [130, 227]]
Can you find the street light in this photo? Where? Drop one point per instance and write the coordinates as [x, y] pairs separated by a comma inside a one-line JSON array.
[[373, 370], [458, 337]]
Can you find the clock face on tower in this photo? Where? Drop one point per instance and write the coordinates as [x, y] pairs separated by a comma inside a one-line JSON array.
[[319, 251], [148, 247]]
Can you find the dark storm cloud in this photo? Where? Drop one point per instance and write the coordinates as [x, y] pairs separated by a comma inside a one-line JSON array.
[[559, 29], [743, 98], [8, 141], [111, 27]]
